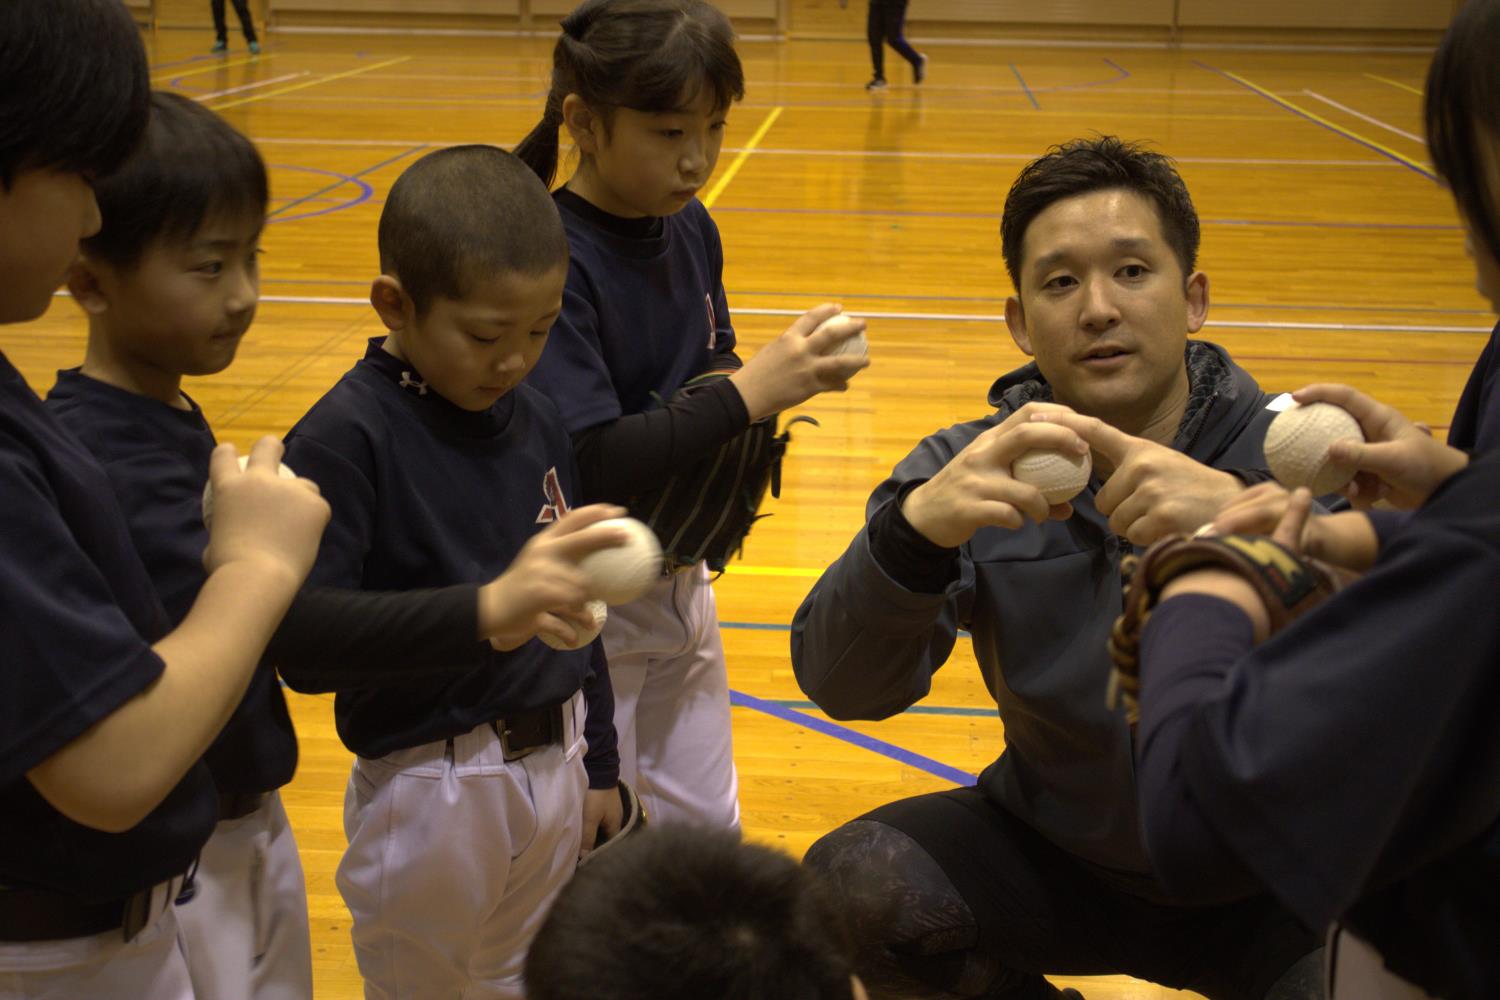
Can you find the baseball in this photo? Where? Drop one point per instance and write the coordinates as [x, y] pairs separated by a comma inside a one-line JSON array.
[[1058, 475], [581, 639], [208, 488], [1297, 447], [622, 574], [856, 345]]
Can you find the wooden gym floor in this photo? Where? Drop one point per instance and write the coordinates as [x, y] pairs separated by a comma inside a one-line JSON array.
[[1333, 254]]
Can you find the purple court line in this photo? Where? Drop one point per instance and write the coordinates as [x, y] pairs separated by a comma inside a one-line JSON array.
[[1029, 95], [1304, 116], [838, 732], [365, 190], [362, 195]]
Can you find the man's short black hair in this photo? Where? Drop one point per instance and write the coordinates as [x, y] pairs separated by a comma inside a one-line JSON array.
[[1105, 163], [73, 86], [193, 167], [680, 913], [464, 214]]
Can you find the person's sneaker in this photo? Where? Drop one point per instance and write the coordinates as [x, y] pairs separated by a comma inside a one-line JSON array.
[[919, 71], [877, 84], [255, 48], [220, 46]]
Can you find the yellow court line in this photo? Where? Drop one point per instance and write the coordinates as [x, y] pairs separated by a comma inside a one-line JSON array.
[[312, 83], [1350, 133], [735, 570], [210, 69], [1395, 83], [739, 161]]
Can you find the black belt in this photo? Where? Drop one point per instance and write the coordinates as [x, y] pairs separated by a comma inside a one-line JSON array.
[[45, 915], [238, 805], [531, 731]]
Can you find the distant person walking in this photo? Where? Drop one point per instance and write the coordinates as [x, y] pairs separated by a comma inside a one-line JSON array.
[[247, 23], [884, 25]]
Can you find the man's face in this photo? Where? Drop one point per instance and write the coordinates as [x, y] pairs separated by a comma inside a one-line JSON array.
[[1104, 307]]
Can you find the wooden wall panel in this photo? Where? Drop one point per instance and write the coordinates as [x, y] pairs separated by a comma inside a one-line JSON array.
[[1393, 14]]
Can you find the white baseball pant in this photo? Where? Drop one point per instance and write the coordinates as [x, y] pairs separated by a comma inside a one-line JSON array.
[[454, 857]]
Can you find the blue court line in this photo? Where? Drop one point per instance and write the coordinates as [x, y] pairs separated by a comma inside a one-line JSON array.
[[365, 190], [982, 713], [1323, 125], [838, 732], [1029, 95], [773, 627]]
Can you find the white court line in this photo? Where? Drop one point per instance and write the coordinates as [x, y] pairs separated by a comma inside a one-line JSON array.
[[1229, 161], [250, 86], [1364, 117], [333, 300]]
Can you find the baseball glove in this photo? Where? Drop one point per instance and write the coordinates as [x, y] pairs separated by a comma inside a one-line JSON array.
[[704, 512], [1289, 584]]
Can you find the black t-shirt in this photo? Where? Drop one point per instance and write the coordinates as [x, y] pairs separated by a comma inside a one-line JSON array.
[[78, 615], [157, 459]]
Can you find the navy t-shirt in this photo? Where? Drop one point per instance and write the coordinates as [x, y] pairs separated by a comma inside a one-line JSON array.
[[78, 615], [1350, 763], [157, 459], [641, 315], [1476, 419], [426, 494]]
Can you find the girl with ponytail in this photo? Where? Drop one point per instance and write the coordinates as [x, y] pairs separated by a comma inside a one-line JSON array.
[[644, 89]]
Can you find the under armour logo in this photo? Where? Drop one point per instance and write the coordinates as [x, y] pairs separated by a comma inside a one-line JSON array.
[[557, 504], [408, 381]]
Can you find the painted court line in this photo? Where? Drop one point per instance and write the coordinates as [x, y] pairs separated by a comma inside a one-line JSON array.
[[1227, 161], [314, 83], [826, 728], [1250, 85], [1364, 117], [1029, 95], [1395, 83], [334, 300], [739, 161], [174, 77], [250, 86]]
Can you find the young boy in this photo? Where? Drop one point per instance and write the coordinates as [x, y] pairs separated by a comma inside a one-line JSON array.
[[104, 710], [170, 284], [469, 801], [681, 913]]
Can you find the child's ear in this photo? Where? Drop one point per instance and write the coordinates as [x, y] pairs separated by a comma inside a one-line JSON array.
[[392, 304], [84, 286], [583, 125]]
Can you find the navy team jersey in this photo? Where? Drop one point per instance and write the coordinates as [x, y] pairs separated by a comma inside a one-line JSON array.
[[78, 615], [426, 494], [640, 315], [157, 459], [1476, 419]]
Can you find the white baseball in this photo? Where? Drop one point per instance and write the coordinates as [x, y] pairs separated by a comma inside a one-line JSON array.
[[1297, 447], [208, 488], [840, 325], [1060, 476], [622, 574], [581, 639]]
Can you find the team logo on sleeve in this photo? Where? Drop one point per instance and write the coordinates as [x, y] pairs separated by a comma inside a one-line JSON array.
[[557, 504], [713, 323]]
